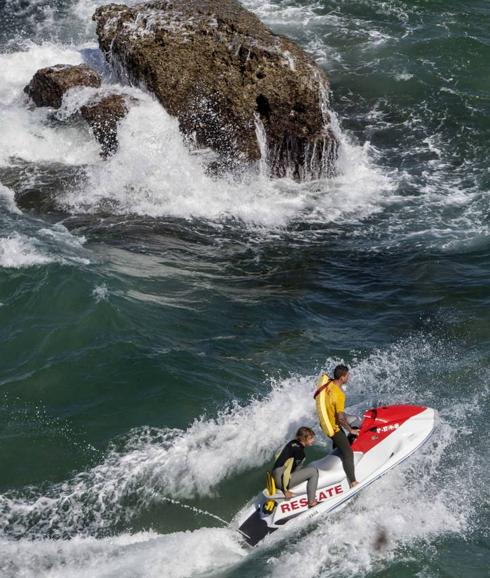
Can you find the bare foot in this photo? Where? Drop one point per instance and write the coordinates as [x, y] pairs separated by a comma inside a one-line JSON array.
[[313, 503], [354, 484], [288, 495]]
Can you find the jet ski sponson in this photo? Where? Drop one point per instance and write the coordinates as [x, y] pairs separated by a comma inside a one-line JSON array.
[[387, 436]]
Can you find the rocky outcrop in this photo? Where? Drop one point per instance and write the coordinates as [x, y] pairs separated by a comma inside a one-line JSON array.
[[102, 112], [49, 85], [103, 116], [234, 85]]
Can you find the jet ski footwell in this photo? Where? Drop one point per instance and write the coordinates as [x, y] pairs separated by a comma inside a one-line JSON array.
[[388, 435]]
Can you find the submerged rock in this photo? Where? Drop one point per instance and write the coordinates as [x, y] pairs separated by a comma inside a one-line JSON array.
[[49, 85], [103, 116], [235, 86]]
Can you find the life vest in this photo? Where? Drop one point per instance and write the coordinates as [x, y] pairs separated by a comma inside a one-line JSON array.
[[287, 467], [320, 398]]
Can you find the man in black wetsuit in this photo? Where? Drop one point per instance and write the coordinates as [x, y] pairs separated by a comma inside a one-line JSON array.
[[288, 470]]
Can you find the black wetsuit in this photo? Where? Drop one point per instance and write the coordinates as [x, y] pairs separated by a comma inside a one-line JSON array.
[[293, 449], [288, 470]]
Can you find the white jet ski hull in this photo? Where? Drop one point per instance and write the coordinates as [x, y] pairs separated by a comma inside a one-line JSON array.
[[388, 435]]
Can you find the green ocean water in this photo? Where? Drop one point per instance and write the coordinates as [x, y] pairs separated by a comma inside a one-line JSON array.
[[160, 332]]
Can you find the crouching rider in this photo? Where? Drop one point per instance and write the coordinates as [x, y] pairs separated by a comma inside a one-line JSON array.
[[288, 470]]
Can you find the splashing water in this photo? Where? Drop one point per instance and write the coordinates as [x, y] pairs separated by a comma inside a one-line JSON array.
[[142, 555], [154, 464]]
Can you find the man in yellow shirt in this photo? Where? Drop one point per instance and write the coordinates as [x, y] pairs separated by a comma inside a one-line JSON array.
[[330, 406]]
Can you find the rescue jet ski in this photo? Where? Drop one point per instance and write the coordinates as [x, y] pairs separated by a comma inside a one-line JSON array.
[[388, 435]]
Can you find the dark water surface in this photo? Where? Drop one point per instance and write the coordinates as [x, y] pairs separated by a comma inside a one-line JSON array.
[[161, 332]]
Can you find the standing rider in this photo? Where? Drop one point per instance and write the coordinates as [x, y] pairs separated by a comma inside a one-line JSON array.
[[330, 406]]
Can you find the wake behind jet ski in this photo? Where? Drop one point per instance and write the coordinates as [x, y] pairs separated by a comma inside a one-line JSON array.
[[387, 436]]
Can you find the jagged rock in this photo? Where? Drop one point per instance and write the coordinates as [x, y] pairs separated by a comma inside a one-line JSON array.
[[226, 77], [102, 112], [48, 85], [103, 116]]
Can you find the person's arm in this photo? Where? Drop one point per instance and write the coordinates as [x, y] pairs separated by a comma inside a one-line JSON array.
[[345, 424], [340, 412]]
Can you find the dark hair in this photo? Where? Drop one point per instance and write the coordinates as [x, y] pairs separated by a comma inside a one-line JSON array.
[[305, 432], [340, 371]]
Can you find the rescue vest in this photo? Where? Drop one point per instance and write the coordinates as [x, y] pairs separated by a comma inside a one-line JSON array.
[[320, 398]]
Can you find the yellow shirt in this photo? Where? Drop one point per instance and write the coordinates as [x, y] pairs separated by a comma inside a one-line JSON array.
[[329, 403]]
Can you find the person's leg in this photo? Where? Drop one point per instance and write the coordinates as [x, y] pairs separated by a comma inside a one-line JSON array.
[[342, 443], [309, 474], [277, 475]]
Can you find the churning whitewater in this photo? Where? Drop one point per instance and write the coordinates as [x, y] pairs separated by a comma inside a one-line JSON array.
[[162, 328]]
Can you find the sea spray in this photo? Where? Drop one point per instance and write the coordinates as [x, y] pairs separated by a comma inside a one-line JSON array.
[[153, 174], [27, 134], [7, 200], [26, 241], [17, 251], [263, 146], [182, 464], [153, 462], [141, 555]]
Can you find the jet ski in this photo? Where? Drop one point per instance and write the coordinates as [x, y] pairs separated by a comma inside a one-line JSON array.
[[388, 435]]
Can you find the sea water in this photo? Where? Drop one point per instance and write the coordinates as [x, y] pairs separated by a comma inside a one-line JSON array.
[[161, 330]]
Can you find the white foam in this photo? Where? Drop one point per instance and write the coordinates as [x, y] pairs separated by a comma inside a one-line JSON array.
[[62, 236], [156, 464], [18, 251], [403, 76], [26, 133], [405, 510], [17, 68], [143, 555], [154, 174], [164, 462], [101, 293], [7, 200], [287, 13], [25, 244]]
